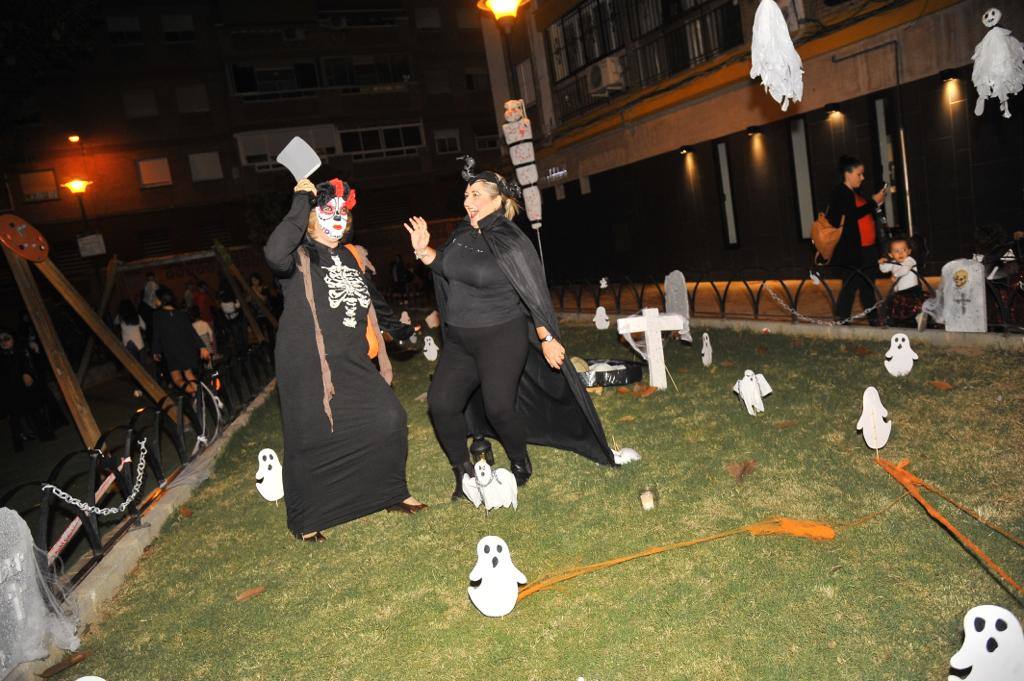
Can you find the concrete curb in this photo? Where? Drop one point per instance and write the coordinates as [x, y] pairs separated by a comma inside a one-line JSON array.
[[933, 337], [106, 579]]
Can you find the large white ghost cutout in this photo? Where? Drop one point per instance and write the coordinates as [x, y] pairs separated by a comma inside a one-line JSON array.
[[601, 318], [993, 647], [494, 580], [493, 488], [429, 348], [706, 353], [900, 358], [269, 482], [751, 388], [873, 423]]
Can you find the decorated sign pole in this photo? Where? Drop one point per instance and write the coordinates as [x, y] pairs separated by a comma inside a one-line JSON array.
[[519, 136]]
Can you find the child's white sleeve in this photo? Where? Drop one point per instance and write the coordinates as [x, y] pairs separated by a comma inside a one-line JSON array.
[[885, 266], [904, 268]]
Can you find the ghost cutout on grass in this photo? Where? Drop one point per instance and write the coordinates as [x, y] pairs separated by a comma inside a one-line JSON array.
[[993, 647], [429, 348], [625, 455], [494, 488], [874, 423], [494, 580], [900, 358], [269, 480], [706, 353], [998, 65], [773, 57], [601, 318], [751, 388]]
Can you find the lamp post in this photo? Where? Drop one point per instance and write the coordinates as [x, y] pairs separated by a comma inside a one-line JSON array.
[[78, 187], [504, 12]]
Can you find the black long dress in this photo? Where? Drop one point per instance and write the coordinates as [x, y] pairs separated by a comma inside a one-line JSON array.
[[332, 476]]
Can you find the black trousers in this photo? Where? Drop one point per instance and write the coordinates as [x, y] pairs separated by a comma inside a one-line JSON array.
[[861, 281], [491, 358]]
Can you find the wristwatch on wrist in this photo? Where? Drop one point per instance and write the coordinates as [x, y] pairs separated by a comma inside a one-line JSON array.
[[547, 339]]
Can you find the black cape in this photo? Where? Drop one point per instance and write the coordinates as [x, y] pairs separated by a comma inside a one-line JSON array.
[[554, 405]]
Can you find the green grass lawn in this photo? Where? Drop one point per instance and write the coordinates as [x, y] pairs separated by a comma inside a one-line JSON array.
[[385, 597]]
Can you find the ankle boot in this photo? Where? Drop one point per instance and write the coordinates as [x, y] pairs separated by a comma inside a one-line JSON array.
[[459, 471], [522, 470]]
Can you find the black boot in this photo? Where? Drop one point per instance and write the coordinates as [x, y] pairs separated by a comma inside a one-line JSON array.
[[459, 471], [522, 469]]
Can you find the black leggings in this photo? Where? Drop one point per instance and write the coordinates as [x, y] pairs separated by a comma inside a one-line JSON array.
[[861, 281], [492, 358]]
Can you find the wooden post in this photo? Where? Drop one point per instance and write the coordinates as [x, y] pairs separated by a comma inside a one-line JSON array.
[[225, 265], [108, 288], [79, 408], [232, 270], [89, 316]]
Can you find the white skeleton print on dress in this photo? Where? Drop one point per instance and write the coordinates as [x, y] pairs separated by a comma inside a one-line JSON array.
[[346, 287], [993, 647]]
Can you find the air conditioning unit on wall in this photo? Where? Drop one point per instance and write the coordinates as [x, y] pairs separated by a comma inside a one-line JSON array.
[[604, 77]]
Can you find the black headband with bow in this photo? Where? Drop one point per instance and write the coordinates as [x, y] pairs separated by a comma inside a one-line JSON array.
[[509, 189]]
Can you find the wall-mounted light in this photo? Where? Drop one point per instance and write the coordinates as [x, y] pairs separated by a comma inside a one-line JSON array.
[[77, 186], [753, 130], [683, 151], [74, 139], [833, 108], [949, 75]]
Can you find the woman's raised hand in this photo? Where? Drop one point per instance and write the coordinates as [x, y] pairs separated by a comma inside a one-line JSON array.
[[305, 186], [419, 235]]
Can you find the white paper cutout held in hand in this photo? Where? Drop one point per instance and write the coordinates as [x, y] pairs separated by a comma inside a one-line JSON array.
[[494, 581], [900, 358], [269, 481], [299, 158], [493, 488], [873, 423], [993, 647], [751, 388], [601, 318], [706, 353], [429, 348]]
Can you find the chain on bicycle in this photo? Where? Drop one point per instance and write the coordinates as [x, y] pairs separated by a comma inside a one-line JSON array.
[[140, 470]]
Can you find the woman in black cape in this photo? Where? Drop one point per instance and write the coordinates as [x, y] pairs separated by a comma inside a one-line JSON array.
[[501, 368], [345, 432]]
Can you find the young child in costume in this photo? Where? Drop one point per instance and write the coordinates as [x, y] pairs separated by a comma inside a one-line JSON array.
[[907, 296]]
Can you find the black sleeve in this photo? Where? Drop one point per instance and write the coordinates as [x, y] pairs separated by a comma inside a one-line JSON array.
[[386, 317], [286, 237], [838, 202], [867, 209], [437, 266]]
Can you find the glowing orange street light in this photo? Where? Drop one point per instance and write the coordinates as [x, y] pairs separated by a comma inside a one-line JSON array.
[[74, 139], [77, 186], [501, 9]]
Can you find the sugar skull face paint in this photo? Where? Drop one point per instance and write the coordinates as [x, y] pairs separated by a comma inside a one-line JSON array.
[[334, 218]]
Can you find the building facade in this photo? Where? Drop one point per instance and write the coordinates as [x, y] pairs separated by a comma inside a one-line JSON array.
[[653, 140]]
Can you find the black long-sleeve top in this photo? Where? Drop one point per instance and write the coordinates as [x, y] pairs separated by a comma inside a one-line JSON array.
[[842, 204]]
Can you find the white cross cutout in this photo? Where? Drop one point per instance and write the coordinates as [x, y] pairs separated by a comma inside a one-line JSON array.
[[652, 323]]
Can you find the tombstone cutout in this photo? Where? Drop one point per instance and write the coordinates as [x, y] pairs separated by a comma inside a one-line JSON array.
[[677, 302], [651, 323], [960, 301]]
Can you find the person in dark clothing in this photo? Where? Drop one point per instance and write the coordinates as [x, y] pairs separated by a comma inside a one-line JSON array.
[[858, 246], [345, 432], [493, 298], [176, 343], [233, 325], [23, 393]]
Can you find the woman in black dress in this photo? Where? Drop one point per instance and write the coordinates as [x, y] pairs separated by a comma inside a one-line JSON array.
[[858, 246], [345, 432], [500, 371], [176, 343]]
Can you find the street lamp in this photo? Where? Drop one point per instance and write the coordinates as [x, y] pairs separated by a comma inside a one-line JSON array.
[[504, 12], [78, 187]]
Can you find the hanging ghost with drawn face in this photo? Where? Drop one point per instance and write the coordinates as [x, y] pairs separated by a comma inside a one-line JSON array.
[[900, 358], [874, 423], [993, 647], [269, 481], [751, 388], [998, 65], [494, 581]]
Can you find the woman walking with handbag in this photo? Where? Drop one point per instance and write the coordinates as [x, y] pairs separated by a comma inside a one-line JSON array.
[[857, 247]]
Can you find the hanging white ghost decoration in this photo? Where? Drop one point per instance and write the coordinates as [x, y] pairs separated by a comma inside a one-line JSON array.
[[429, 348], [900, 358], [603, 283], [773, 57], [269, 480], [751, 388], [494, 488], [706, 353], [998, 65], [993, 647], [30, 617], [601, 318], [494, 580], [873, 423]]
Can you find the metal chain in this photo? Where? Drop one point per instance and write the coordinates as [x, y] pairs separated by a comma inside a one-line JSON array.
[[140, 469], [822, 322]]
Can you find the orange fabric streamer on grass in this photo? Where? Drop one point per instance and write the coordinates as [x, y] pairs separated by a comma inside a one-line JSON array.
[[914, 485], [808, 529]]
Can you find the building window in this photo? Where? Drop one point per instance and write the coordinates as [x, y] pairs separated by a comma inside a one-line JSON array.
[[259, 148], [485, 142], [40, 185], [178, 28], [364, 144], [802, 171], [192, 98], [205, 166], [447, 141], [477, 80], [524, 77], [124, 30], [428, 18], [139, 103], [584, 35], [437, 82], [366, 73], [154, 172], [468, 17], [273, 82], [725, 188], [362, 18]]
